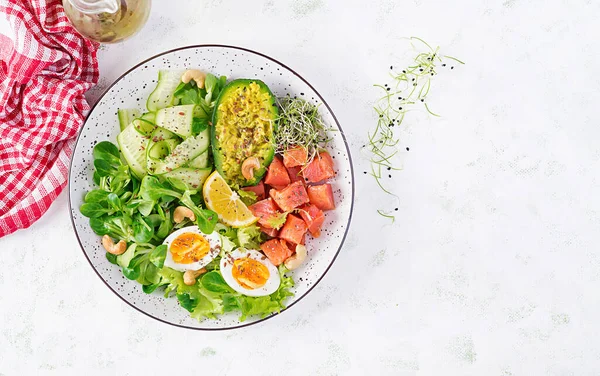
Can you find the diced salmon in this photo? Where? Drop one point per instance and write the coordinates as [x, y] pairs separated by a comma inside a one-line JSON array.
[[295, 174], [294, 229], [314, 218], [296, 156], [319, 169], [258, 189], [277, 175], [321, 196], [294, 246], [272, 232], [264, 210], [290, 197], [276, 250]]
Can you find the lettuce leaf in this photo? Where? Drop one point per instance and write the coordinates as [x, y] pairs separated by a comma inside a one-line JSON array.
[[249, 237], [277, 221], [248, 197], [196, 299], [211, 295], [228, 238], [265, 305]]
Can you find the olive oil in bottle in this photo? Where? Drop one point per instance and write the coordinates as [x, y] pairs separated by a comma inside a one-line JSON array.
[[107, 21]]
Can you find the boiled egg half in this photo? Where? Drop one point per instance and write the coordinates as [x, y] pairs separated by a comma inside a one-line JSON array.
[[190, 249], [250, 273]]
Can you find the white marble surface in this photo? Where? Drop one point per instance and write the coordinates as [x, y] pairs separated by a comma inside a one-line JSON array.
[[491, 267]]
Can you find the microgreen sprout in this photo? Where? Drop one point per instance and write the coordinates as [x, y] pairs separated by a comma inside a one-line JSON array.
[[409, 88], [300, 124]]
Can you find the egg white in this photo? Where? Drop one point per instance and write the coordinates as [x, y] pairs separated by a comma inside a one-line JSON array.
[[214, 240], [226, 271]]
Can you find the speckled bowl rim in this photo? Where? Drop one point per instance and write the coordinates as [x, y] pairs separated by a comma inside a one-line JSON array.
[[336, 122]]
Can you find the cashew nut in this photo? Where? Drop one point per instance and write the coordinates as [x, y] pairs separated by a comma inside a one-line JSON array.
[[248, 167], [194, 74], [111, 247], [296, 260], [189, 277], [181, 212]]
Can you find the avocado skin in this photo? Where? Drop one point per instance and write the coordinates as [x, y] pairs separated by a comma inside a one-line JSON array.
[[216, 149]]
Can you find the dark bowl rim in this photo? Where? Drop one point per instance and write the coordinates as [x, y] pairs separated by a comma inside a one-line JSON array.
[[294, 73]]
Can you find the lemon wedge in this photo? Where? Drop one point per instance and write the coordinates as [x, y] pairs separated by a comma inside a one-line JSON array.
[[225, 202]]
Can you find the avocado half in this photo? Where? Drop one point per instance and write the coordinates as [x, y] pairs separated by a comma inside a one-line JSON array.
[[243, 126]]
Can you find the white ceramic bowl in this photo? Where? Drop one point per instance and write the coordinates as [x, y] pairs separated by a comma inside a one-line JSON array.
[[131, 91]]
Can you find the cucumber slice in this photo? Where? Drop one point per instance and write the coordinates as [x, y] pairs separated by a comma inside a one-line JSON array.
[[160, 134], [149, 116], [200, 161], [183, 153], [161, 149], [192, 177], [143, 126], [177, 119], [126, 116], [162, 96], [133, 148]]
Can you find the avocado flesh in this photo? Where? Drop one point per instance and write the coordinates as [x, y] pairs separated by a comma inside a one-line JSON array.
[[244, 122]]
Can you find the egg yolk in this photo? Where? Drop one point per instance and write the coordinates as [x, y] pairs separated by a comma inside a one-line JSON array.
[[189, 247], [250, 273]]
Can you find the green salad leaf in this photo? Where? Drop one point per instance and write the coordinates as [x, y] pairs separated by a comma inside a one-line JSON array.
[[142, 232], [94, 210], [205, 219], [187, 301], [124, 259], [250, 237], [111, 258], [151, 189], [277, 221], [214, 282], [131, 273], [247, 197], [97, 196], [107, 151], [157, 256], [199, 125]]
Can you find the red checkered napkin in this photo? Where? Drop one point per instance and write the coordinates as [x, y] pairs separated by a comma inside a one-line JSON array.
[[45, 68]]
